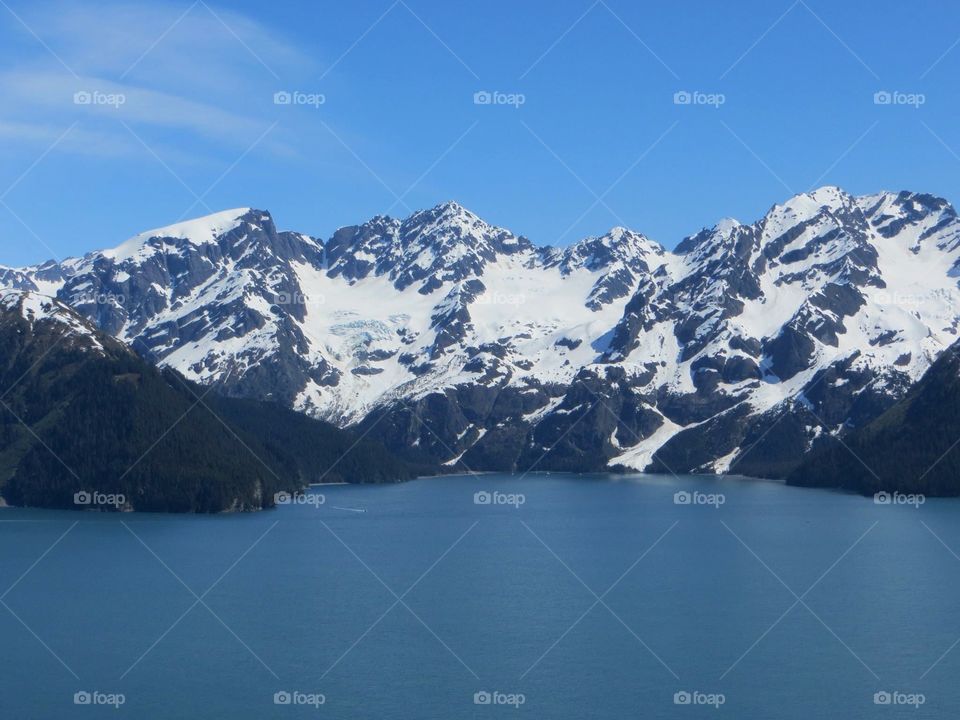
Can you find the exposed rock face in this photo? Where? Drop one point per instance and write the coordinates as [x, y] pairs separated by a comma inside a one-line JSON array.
[[911, 448], [463, 343], [82, 412]]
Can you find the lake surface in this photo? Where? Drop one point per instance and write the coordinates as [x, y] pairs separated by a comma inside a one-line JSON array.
[[564, 597]]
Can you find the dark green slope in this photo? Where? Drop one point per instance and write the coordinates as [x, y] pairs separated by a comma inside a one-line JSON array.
[[80, 411], [911, 448], [323, 453]]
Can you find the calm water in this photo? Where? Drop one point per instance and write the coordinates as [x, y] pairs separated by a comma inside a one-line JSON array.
[[493, 598]]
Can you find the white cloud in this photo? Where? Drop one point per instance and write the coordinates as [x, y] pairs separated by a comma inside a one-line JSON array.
[[54, 94], [195, 44], [78, 140], [207, 79]]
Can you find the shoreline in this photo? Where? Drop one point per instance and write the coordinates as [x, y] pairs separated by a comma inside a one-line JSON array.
[[507, 477], [478, 473]]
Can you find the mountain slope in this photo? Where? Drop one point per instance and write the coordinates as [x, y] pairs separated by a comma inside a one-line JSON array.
[[468, 345], [82, 412], [912, 448]]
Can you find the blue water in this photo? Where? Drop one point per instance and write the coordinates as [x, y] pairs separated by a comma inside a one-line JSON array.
[[303, 600]]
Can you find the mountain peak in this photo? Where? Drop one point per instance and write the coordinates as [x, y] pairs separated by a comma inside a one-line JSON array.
[[619, 233], [449, 225], [37, 308], [827, 191], [446, 213], [727, 225], [198, 231], [808, 204], [630, 241], [451, 206]]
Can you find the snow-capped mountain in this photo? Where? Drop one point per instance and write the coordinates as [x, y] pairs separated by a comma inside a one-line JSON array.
[[472, 345], [82, 410], [45, 316], [911, 448]]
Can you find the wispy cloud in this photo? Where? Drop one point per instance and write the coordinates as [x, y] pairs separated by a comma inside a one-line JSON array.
[[97, 99], [200, 72], [161, 42]]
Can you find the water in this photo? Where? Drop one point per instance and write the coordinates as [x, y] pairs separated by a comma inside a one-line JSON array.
[[493, 598]]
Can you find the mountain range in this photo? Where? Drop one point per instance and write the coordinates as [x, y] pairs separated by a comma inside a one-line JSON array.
[[461, 344], [913, 448], [85, 417]]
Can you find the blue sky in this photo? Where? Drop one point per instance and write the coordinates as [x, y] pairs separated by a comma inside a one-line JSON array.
[[598, 140]]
